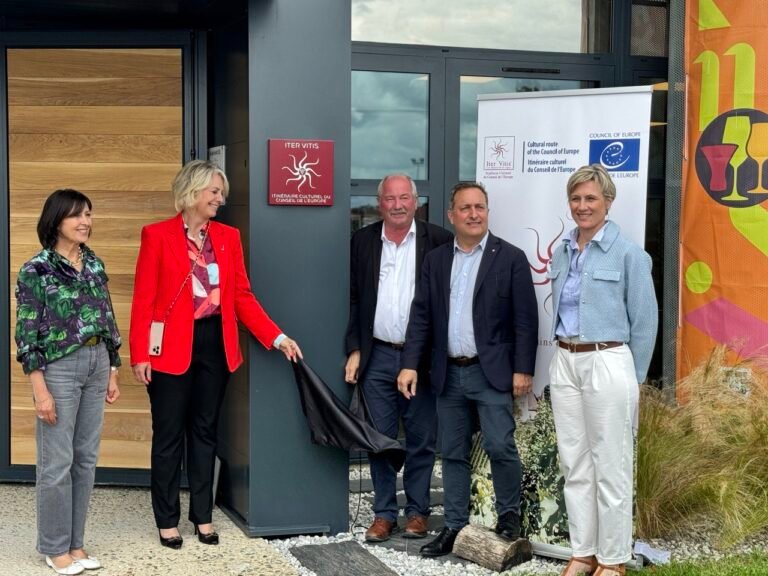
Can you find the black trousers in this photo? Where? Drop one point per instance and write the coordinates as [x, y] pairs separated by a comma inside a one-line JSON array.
[[188, 405]]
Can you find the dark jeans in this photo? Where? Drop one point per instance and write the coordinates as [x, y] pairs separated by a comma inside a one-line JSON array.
[[188, 404], [386, 406], [467, 389]]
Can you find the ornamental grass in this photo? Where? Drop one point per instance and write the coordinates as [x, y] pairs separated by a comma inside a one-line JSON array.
[[704, 463]]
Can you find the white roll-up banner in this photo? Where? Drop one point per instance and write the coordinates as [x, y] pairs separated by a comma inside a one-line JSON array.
[[528, 145]]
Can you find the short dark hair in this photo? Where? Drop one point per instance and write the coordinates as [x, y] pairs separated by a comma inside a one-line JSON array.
[[463, 186], [61, 204]]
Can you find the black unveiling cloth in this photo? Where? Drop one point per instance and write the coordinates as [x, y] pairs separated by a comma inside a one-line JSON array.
[[331, 423]]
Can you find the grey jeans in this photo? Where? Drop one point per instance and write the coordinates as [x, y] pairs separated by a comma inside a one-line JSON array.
[[67, 451]]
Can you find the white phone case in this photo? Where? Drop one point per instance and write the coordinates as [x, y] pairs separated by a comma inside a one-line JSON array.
[[156, 338]]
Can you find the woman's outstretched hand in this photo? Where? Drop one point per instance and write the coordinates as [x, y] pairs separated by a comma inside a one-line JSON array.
[[291, 350]]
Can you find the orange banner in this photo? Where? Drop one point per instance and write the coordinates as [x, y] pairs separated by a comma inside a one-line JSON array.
[[724, 220]]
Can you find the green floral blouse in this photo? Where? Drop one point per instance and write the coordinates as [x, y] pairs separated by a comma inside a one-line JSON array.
[[58, 309]]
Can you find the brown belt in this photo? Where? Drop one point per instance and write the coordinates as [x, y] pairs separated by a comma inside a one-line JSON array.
[[92, 341], [463, 361], [588, 347], [394, 345]]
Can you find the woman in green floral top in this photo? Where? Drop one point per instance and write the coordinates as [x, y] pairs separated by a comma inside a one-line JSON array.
[[67, 342]]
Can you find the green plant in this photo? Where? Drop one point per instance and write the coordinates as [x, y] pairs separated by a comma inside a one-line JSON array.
[[752, 565], [707, 458], [543, 504], [543, 512]]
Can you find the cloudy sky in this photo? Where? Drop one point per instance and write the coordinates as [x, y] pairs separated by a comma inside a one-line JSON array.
[[548, 25], [389, 110]]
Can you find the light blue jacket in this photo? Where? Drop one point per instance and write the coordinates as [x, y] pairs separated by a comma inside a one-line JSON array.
[[617, 301]]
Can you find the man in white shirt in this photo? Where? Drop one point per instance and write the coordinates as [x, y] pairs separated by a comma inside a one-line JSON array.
[[385, 266]]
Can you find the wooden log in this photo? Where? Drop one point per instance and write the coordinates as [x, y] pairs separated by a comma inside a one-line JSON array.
[[483, 546]]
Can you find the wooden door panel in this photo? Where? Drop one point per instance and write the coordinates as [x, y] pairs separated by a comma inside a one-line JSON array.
[[120, 148], [107, 122]]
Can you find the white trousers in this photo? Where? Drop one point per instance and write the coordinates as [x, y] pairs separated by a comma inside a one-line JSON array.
[[594, 401]]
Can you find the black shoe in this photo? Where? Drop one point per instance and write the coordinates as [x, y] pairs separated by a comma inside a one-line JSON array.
[[207, 537], [508, 526], [441, 545], [174, 542]]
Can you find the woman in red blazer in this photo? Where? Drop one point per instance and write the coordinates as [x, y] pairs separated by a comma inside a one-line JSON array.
[[191, 288]]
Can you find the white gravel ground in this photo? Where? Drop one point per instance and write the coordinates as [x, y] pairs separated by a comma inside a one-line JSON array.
[[695, 545], [360, 517]]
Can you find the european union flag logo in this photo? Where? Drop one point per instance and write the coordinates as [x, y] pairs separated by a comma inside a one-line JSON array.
[[616, 155]]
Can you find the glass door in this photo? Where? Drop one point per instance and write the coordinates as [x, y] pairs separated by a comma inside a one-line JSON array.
[[466, 79], [397, 113]]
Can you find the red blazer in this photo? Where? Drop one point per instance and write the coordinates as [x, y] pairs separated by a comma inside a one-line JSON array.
[[162, 265]]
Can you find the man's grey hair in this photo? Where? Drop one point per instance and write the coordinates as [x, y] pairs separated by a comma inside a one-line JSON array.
[[380, 189]]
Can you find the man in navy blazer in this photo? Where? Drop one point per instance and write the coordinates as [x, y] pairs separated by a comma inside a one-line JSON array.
[[475, 310], [385, 267]]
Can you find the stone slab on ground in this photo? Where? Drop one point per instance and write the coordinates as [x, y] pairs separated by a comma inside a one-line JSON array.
[[411, 546], [340, 559]]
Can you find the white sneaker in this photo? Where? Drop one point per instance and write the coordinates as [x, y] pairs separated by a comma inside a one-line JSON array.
[[89, 562], [73, 568]]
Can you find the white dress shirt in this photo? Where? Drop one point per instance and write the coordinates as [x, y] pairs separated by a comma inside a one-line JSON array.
[[397, 281]]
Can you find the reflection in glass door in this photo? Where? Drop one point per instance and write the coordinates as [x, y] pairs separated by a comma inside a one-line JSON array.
[[472, 86], [390, 124], [466, 79]]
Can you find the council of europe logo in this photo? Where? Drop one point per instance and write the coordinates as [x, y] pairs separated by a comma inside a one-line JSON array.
[[616, 155]]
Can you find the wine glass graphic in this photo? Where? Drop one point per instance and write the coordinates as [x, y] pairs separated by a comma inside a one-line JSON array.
[[758, 149], [736, 131], [718, 156]]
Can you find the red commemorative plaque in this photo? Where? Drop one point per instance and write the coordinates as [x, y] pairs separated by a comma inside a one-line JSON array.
[[301, 172]]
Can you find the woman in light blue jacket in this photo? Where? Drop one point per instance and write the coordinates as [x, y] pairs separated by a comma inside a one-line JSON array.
[[605, 321]]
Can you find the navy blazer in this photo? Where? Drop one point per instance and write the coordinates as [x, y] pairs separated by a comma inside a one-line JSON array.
[[365, 263], [504, 315]]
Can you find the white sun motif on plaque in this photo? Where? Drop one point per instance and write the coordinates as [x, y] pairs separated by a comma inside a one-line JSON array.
[[302, 172]]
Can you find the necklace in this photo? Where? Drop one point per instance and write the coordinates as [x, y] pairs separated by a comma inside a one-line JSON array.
[[202, 234], [77, 261]]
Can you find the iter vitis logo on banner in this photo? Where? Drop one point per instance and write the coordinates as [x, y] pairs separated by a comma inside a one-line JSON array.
[[499, 156], [619, 153]]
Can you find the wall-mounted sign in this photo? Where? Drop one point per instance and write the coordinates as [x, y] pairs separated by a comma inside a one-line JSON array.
[[301, 172]]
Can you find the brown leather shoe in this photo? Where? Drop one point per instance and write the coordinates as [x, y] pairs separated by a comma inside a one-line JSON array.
[[416, 526], [380, 530], [580, 566]]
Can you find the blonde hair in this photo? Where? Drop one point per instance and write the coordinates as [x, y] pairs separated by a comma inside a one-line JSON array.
[[596, 173], [191, 179]]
